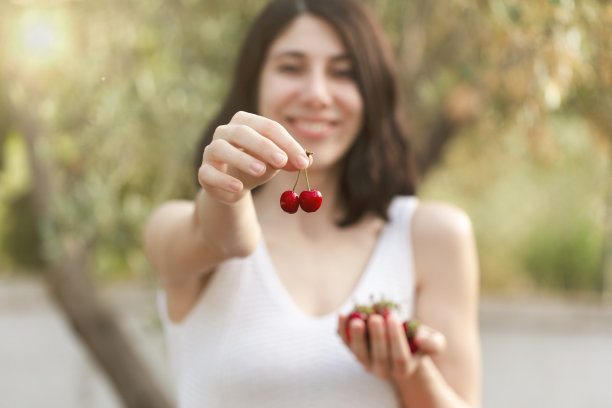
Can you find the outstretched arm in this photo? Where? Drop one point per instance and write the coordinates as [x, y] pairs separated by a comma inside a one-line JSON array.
[[185, 240]]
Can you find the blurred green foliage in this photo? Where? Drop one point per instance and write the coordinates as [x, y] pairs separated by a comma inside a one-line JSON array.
[[118, 93]]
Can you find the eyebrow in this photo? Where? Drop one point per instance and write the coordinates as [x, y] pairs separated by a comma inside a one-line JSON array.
[[299, 54]]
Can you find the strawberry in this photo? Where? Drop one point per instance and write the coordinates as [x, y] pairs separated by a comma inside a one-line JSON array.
[[411, 327], [384, 308]]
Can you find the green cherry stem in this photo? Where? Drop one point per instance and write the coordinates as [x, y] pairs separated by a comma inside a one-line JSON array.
[[296, 180], [307, 183], [308, 153]]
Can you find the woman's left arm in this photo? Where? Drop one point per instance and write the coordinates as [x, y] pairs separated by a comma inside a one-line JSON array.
[[446, 265]]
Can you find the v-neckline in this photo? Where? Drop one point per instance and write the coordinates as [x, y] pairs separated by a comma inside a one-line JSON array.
[[284, 296]]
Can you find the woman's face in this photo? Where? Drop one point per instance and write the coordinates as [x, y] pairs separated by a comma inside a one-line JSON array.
[[307, 85]]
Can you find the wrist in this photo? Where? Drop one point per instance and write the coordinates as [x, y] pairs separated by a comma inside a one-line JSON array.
[[425, 387]]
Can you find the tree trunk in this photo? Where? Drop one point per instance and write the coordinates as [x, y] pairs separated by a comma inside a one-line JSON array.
[[607, 252], [68, 282], [100, 332]]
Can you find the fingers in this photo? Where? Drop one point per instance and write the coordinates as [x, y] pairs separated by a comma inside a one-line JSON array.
[[379, 345], [399, 351], [245, 153], [212, 178], [272, 131], [221, 151], [359, 342], [376, 344], [245, 138]]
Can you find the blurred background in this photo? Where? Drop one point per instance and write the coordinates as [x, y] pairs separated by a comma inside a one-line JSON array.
[[101, 104]]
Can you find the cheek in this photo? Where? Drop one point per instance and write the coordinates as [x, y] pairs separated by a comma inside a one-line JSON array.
[[353, 103], [273, 92], [350, 98], [354, 110]]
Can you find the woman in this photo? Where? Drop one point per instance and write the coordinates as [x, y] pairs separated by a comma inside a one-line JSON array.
[[255, 300]]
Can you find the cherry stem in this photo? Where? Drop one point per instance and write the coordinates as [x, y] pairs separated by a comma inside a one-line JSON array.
[[308, 153], [307, 183], [296, 180]]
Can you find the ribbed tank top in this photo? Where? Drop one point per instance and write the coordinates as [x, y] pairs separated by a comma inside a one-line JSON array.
[[246, 343]]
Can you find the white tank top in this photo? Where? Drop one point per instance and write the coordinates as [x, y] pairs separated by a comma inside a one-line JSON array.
[[245, 343]]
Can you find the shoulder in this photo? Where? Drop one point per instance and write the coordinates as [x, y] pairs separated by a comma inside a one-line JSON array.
[[443, 241], [161, 218], [440, 220], [167, 232]]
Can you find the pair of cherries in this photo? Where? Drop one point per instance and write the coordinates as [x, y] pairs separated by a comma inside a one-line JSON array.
[[309, 200]]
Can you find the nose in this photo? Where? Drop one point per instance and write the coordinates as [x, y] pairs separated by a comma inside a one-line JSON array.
[[317, 92]]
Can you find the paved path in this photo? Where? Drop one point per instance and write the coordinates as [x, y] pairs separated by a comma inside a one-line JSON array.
[[535, 353], [544, 354]]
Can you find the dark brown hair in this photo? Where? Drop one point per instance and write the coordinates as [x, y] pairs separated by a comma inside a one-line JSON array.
[[378, 166]]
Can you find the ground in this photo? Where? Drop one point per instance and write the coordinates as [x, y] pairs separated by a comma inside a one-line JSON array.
[[536, 352]]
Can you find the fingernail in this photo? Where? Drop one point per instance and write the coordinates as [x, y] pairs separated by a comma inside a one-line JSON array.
[[303, 161], [257, 168], [236, 186], [279, 159]]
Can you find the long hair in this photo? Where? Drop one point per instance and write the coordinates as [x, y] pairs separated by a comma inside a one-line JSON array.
[[378, 165]]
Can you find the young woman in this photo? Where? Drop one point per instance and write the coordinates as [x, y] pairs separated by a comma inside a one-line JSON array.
[[255, 300]]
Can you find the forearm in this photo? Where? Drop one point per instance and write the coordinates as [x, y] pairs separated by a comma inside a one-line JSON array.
[[427, 388], [228, 229]]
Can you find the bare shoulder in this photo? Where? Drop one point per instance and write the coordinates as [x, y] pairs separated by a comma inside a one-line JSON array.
[[440, 220], [162, 218], [443, 242], [169, 209]]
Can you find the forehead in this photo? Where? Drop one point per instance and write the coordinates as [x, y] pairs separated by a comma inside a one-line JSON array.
[[308, 35]]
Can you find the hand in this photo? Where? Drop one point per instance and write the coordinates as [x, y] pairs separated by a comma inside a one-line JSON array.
[[384, 349], [245, 153]]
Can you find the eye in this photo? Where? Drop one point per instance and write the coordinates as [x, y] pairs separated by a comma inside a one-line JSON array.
[[342, 69], [289, 68], [344, 73]]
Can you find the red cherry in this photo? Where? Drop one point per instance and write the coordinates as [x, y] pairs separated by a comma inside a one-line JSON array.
[[311, 200], [290, 201]]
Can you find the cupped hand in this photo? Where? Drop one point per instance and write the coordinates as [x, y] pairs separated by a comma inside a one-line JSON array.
[[245, 153], [382, 347]]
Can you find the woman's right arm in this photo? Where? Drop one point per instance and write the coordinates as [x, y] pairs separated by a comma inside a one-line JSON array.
[[186, 240]]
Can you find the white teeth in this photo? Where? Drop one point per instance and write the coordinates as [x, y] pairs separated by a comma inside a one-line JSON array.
[[314, 127]]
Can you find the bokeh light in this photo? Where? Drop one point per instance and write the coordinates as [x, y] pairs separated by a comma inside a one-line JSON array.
[[38, 39]]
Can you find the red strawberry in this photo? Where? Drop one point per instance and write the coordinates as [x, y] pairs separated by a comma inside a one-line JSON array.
[[411, 327], [384, 308]]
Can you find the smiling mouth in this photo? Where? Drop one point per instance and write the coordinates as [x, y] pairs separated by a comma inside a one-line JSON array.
[[313, 128]]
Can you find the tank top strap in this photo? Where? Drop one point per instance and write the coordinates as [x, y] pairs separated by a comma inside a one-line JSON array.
[[391, 271], [401, 210]]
